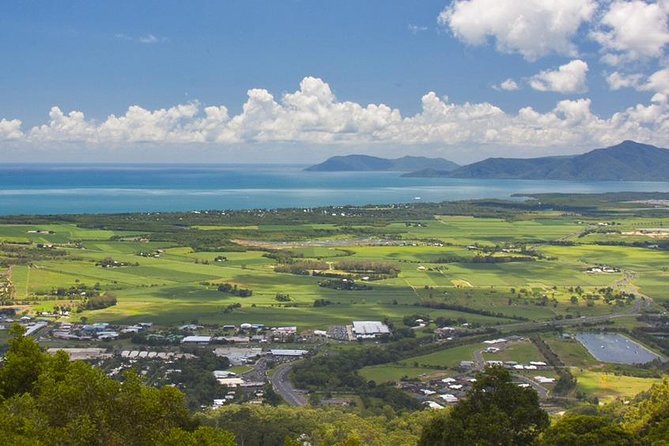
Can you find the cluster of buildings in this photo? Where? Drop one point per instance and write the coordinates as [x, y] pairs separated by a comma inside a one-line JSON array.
[[232, 380], [513, 365], [101, 331], [142, 354], [275, 334], [256, 393], [250, 333], [8, 317], [244, 335], [602, 269], [155, 254], [438, 393]]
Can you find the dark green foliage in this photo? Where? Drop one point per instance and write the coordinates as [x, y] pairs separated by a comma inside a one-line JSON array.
[[235, 290], [283, 256], [77, 290], [410, 320], [338, 372], [109, 262], [495, 412], [501, 259], [98, 302], [303, 268], [359, 266], [21, 254], [586, 430], [232, 307], [343, 284], [255, 425], [22, 365], [197, 380], [270, 396], [566, 381], [51, 401]]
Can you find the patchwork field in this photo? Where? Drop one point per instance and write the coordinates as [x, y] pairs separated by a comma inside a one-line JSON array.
[[438, 261]]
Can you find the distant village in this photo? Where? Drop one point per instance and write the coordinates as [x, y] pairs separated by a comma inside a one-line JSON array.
[[248, 347], [251, 347]]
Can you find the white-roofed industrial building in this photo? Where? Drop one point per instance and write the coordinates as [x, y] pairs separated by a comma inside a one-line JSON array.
[[288, 353], [196, 340], [370, 329]]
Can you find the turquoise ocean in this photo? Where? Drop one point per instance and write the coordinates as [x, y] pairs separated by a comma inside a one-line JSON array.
[[88, 188]]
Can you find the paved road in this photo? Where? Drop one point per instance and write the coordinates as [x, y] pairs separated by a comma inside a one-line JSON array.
[[282, 385], [541, 390], [562, 323], [479, 362]]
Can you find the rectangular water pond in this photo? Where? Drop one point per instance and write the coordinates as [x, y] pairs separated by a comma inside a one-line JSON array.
[[616, 349]]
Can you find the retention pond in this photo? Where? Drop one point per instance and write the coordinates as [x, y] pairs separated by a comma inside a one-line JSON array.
[[616, 349]]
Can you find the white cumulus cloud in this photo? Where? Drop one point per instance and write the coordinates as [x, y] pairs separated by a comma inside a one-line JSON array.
[[507, 85], [10, 129], [568, 78], [619, 81], [658, 82], [533, 28], [633, 30], [313, 116]]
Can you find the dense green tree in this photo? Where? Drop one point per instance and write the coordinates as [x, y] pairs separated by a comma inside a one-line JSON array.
[[495, 412], [646, 416], [586, 430], [202, 436], [23, 364], [49, 400], [288, 426]]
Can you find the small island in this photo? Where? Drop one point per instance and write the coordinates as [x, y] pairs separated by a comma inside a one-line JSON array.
[[366, 163]]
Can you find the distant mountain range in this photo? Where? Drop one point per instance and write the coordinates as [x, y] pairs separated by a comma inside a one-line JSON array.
[[365, 163], [627, 161]]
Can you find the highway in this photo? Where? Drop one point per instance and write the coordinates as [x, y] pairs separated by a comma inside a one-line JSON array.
[[281, 383], [548, 325]]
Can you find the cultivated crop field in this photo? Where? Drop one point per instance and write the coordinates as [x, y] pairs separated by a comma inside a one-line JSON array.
[[442, 264]]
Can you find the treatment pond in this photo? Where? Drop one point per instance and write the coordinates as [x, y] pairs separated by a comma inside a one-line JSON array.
[[616, 349]]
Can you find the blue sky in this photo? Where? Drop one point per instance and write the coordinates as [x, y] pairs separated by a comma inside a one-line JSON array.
[[465, 79]]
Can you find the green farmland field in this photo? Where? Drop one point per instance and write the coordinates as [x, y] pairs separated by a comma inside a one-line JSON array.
[[437, 260]]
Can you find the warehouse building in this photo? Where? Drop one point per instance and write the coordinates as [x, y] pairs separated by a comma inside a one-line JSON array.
[[370, 329]]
